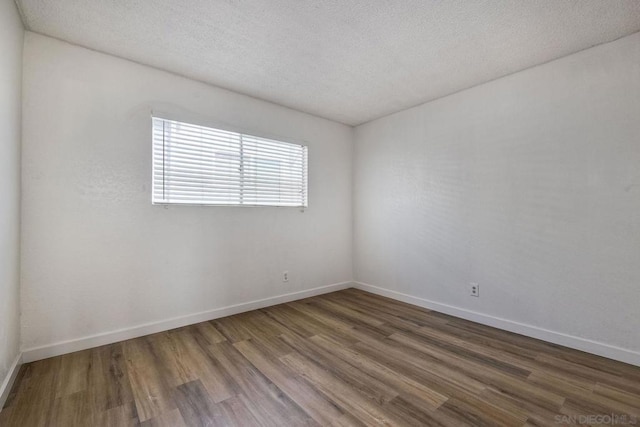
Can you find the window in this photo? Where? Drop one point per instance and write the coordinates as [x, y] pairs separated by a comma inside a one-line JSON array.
[[198, 165]]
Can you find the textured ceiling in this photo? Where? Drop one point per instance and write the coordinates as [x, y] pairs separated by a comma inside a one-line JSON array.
[[350, 61]]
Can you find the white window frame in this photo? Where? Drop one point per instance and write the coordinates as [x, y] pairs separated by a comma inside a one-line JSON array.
[[253, 171]]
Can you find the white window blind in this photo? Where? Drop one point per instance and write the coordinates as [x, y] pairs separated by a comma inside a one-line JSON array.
[[205, 166]]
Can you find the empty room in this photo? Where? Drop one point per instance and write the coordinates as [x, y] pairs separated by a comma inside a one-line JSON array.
[[319, 213]]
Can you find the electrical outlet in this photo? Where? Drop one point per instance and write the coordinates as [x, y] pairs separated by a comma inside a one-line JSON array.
[[474, 289], [285, 276]]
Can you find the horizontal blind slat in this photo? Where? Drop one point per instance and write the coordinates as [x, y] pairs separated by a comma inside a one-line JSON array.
[[199, 165], [215, 161], [229, 173], [289, 186], [229, 187], [195, 195], [205, 140], [181, 150]]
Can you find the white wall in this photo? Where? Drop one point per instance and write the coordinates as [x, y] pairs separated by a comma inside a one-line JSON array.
[[11, 35], [97, 256], [528, 185]]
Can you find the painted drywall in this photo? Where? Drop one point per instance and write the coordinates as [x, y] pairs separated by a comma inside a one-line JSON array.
[[11, 36], [99, 257], [528, 185]]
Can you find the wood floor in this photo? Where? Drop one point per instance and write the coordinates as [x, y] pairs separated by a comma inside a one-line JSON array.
[[345, 358]]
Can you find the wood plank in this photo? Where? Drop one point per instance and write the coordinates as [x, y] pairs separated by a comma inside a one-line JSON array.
[[108, 385], [175, 360], [33, 404], [587, 372], [397, 381], [622, 396], [410, 414], [441, 378], [338, 391], [315, 404], [124, 415], [70, 410], [148, 379], [365, 383], [206, 367], [264, 399], [196, 406], [485, 373], [72, 375], [479, 413], [207, 331], [167, 419], [534, 413], [237, 412]]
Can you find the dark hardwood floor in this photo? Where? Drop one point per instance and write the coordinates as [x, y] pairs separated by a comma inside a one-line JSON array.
[[346, 358]]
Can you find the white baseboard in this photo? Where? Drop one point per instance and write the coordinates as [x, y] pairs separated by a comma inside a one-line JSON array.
[[5, 388], [583, 344], [64, 347]]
